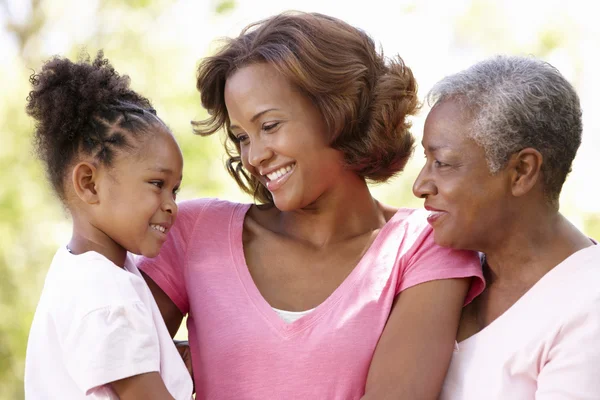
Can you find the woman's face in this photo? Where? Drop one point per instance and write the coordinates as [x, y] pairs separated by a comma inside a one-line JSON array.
[[466, 201], [282, 136]]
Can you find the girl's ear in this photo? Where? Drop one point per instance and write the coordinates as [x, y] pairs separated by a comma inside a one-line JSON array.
[[85, 176]]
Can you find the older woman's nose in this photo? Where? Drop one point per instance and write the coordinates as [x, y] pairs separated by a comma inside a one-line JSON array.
[[423, 185]]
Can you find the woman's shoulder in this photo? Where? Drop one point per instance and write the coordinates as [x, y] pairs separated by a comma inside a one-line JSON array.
[[193, 208], [408, 219]]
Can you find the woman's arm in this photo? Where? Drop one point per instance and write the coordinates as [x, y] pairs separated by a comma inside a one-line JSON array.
[[148, 386], [415, 348], [169, 311]]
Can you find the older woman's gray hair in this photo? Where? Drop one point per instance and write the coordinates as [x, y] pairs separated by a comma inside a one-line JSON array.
[[519, 102]]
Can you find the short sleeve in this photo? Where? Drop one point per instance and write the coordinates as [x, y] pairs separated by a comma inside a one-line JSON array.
[[109, 344], [430, 262], [571, 369], [167, 269]]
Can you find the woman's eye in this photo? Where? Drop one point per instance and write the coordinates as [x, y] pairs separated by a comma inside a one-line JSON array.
[[270, 126], [439, 164], [240, 138]]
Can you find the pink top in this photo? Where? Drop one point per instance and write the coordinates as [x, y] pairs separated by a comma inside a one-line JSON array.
[[242, 349], [545, 347]]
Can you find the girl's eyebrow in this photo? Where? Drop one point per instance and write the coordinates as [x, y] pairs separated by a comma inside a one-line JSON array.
[[161, 169]]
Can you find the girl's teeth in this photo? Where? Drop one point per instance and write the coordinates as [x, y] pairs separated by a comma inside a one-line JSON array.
[[158, 228]]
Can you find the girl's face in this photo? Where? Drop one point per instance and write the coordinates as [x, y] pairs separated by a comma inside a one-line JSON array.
[[137, 206], [282, 137]]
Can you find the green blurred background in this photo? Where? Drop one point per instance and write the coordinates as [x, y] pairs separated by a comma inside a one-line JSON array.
[[158, 44]]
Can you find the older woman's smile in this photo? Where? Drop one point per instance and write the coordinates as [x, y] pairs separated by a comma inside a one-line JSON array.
[[434, 215]]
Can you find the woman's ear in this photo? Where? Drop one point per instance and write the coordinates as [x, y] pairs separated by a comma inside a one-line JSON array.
[[526, 166], [85, 176]]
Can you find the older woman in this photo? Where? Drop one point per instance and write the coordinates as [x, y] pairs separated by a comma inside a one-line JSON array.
[[499, 142]]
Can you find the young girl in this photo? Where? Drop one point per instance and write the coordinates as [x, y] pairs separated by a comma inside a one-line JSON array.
[[97, 332]]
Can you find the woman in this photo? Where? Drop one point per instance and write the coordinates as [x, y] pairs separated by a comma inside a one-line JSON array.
[[319, 291], [499, 141]]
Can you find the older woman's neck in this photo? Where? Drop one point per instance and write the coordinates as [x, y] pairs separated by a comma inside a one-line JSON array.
[[530, 248]]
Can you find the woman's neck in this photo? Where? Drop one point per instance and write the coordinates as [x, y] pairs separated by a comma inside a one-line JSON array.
[[346, 212]]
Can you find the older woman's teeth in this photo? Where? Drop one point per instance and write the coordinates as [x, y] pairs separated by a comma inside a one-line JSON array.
[[280, 172]]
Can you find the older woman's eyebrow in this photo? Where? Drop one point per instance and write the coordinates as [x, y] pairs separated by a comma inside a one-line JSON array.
[[434, 147]]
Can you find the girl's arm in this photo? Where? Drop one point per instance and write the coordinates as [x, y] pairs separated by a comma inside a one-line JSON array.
[[169, 311], [415, 348], [149, 386], [172, 317]]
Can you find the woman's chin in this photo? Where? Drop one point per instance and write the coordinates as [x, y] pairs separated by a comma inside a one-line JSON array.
[[285, 204]]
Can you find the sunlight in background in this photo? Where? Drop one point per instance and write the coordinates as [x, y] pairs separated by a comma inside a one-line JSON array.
[[158, 43]]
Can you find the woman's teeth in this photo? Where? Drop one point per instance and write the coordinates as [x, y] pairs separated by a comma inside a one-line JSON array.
[[280, 172]]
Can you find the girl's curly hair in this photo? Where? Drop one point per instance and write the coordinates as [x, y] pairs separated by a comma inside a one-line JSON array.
[[84, 108]]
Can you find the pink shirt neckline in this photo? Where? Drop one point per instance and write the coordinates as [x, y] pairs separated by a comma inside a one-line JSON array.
[[546, 280], [282, 328]]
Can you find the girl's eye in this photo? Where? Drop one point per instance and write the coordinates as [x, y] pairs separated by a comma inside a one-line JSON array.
[[158, 184], [269, 126]]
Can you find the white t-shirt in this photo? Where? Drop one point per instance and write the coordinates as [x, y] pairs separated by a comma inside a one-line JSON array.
[[545, 347], [97, 323]]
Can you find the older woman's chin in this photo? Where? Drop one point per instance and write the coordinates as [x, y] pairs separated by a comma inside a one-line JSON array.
[[444, 240], [451, 238]]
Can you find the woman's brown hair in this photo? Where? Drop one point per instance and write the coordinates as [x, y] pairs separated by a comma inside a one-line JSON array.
[[363, 97]]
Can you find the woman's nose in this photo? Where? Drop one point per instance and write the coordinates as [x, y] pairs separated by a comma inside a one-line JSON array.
[[258, 152]]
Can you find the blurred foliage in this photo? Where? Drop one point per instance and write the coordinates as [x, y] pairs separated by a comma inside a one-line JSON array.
[[224, 6], [161, 63]]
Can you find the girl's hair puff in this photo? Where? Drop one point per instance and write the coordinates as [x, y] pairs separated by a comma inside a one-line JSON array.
[[84, 108]]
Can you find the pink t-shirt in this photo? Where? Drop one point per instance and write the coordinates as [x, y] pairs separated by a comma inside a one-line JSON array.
[[545, 347], [241, 349]]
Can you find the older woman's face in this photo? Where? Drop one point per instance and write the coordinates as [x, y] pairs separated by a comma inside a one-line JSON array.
[[466, 201]]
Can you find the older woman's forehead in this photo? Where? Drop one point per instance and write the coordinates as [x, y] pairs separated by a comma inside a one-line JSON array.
[[447, 120]]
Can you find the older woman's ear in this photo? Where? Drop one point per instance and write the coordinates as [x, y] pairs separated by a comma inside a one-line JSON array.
[[525, 169]]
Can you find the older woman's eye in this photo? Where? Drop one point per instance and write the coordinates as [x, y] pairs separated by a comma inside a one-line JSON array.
[[439, 164]]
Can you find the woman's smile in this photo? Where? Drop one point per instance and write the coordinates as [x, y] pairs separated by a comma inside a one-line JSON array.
[[277, 178]]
